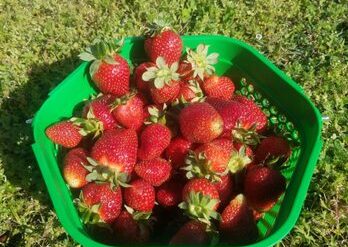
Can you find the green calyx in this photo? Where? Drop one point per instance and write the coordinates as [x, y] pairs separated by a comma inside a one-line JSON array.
[[123, 100], [158, 26], [88, 214], [201, 62], [199, 95], [246, 136], [156, 115], [100, 173], [162, 74], [200, 207], [238, 160], [138, 215], [88, 126], [198, 166]]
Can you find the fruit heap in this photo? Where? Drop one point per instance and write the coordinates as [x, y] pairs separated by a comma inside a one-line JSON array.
[[169, 153]]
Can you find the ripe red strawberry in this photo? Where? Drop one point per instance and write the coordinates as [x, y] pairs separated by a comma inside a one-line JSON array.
[[240, 119], [237, 224], [177, 150], [154, 139], [192, 233], [142, 86], [200, 200], [64, 133], [272, 148], [198, 64], [155, 171], [99, 109], [140, 196], [219, 87], [117, 149], [201, 123], [109, 71], [166, 94], [166, 44], [225, 187], [73, 170], [163, 81], [99, 203], [210, 160], [190, 92], [129, 231], [128, 111], [169, 194], [263, 186]]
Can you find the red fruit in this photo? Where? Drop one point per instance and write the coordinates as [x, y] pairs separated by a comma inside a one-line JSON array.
[[117, 149], [237, 223], [109, 71], [190, 92], [272, 148], [142, 85], [166, 44], [200, 200], [100, 201], [219, 87], [212, 158], [154, 139], [201, 123], [155, 171], [166, 94], [64, 133], [140, 196], [177, 150], [169, 193], [129, 231], [73, 170], [263, 186], [238, 116], [192, 233], [99, 109], [128, 111], [225, 187], [185, 71]]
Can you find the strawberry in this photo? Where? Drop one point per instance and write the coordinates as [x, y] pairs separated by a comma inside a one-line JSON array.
[[142, 85], [198, 64], [190, 92], [109, 71], [219, 87], [128, 111], [140, 196], [272, 149], [192, 233], [169, 193], [117, 151], [177, 150], [155, 171], [163, 81], [263, 186], [166, 44], [154, 139], [237, 225], [209, 160], [201, 123], [200, 200], [74, 171], [225, 188], [98, 109], [129, 231], [99, 203], [241, 120], [64, 133]]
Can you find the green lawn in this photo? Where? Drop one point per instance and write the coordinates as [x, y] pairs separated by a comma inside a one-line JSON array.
[[39, 43]]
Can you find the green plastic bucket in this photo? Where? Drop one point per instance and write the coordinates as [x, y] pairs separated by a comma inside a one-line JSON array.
[[290, 112]]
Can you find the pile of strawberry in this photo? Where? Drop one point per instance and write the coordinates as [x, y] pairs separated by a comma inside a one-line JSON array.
[[169, 153]]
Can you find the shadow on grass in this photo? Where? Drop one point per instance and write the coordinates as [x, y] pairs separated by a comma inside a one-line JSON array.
[[16, 137]]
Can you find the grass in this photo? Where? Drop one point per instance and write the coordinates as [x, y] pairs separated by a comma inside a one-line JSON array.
[[39, 41]]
